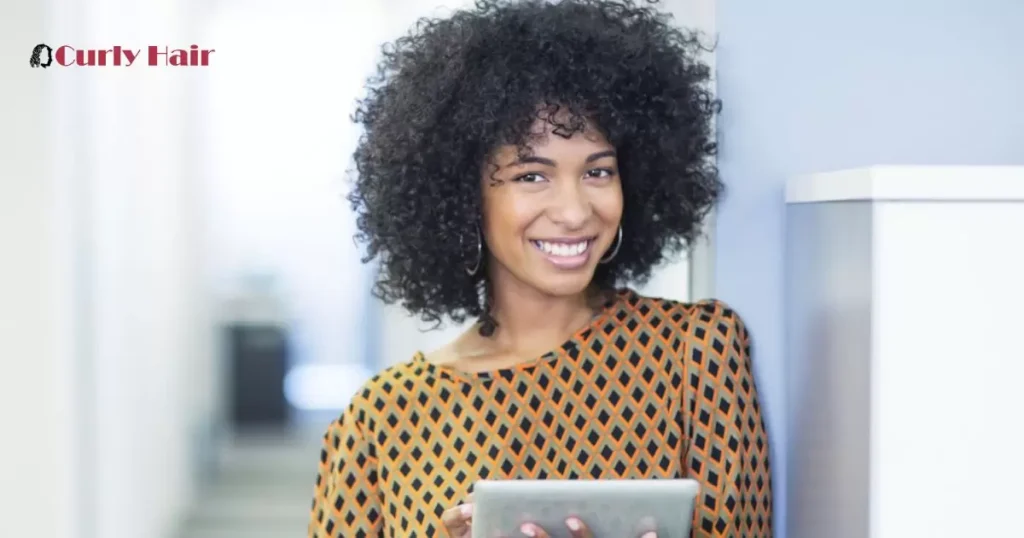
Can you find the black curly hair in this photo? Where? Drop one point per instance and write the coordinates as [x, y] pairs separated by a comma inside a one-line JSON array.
[[453, 89]]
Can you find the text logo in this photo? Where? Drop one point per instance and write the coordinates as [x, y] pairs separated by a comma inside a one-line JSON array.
[[119, 56]]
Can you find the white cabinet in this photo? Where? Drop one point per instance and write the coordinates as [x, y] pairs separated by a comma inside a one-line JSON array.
[[905, 316]]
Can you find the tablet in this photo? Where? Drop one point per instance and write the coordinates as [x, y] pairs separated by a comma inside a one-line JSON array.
[[611, 508]]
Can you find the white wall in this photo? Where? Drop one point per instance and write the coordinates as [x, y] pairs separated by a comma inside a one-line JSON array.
[[37, 385], [691, 277], [152, 349], [104, 324]]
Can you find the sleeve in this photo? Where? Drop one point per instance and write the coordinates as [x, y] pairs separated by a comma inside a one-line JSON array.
[[346, 500], [727, 449]]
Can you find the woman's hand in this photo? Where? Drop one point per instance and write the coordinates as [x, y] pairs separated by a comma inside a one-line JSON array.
[[459, 520], [577, 528]]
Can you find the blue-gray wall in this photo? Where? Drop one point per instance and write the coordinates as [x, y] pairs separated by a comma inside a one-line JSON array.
[[816, 85]]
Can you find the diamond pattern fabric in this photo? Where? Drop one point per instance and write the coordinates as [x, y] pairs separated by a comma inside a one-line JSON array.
[[651, 389]]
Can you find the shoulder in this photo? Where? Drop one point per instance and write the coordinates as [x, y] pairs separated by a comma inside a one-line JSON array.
[[388, 391], [709, 337], [709, 321], [720, 319]]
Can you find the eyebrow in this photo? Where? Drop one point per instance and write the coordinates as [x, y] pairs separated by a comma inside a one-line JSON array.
[[548, 162]]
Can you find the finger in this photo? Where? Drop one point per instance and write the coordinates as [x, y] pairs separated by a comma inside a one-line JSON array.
[[649, 534], [458, 519], [578, 528], [533, 531], [457, 515]]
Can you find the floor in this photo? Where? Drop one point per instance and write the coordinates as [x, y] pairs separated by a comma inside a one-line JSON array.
[[263, 490]]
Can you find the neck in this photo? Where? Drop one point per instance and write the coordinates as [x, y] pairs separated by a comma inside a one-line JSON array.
[[529, 320]]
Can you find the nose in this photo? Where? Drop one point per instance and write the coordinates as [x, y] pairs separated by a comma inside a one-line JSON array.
[[570, 206]]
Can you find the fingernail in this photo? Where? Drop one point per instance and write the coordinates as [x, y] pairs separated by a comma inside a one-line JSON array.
[[651, 534], [527, 529], [575, 524], [467, 510]]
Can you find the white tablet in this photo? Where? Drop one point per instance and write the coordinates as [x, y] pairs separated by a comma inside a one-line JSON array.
[[611, 508]]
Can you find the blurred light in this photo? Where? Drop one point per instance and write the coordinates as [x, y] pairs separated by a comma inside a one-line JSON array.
[[323, 387]]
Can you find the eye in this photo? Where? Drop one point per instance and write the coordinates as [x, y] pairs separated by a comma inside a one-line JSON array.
[[531, 177], [600, 173]]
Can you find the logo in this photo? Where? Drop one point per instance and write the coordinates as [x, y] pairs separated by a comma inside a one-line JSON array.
[[118, 56], [37, 56]]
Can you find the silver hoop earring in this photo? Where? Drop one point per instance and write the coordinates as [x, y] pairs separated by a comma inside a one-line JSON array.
[[618, 243], [472, 271]]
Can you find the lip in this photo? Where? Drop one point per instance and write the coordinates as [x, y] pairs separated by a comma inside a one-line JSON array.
[[566, 262]]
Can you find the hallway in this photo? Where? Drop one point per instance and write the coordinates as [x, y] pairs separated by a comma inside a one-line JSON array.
[[263, 489]]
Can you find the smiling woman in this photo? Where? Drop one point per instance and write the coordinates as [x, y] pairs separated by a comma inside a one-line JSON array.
[[523, 162]]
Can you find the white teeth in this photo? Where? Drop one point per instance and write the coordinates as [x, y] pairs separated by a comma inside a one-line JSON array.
[[563, 249]]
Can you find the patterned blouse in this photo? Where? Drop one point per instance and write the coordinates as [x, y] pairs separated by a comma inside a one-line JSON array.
[[651, 389]]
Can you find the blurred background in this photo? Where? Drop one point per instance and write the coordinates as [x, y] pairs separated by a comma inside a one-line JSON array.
[[183, 311], [204, 312]]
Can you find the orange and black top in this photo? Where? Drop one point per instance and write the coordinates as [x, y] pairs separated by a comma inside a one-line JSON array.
[[651, 389]]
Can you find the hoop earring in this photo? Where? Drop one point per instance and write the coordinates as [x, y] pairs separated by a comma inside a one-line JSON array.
[[472, 271], [618, 243]]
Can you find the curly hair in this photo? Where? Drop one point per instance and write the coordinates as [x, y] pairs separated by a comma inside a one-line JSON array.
[[453, 89]]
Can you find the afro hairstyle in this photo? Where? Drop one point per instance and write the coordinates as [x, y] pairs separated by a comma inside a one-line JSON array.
[[453, 89]]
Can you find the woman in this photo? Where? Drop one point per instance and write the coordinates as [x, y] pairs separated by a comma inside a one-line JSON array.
[[520, 161]]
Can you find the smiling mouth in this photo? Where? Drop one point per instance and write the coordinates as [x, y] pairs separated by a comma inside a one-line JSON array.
[[566, 254], [564, 249]]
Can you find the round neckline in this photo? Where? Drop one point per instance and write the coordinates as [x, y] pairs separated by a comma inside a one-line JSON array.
[[577, 341]]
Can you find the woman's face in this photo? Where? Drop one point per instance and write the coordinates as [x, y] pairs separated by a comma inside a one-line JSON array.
[[551, 216]]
